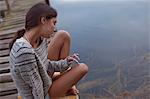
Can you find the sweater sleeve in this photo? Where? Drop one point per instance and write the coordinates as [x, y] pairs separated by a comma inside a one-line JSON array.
[[29, 72], [60, 66], [57, 66]]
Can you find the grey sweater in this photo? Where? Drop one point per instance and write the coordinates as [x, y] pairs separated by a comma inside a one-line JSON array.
[[29, 68]]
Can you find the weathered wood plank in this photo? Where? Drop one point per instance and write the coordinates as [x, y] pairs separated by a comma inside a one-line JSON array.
[[6, 4], [7, 36], [5, 41], [4, 60], [3, 5], [4, 70], [8, 92], [4, 47], [6, 77], [13, 23], [12, 96], [15, 14], [4, 53], [12, 26], [7, 88], [10, 31], [11, 19], [4, 65]]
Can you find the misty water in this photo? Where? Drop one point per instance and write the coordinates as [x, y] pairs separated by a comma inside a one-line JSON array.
[[105, 32]]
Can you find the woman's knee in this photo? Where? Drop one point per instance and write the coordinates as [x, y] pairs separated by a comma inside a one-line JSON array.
[[83, 68], [64, 35]]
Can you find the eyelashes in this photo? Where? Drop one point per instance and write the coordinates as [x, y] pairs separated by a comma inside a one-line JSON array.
[[55, 23]]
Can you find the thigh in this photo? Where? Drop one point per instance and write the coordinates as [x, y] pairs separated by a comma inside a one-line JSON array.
[[58, 45], [54, 47], [66, 81]]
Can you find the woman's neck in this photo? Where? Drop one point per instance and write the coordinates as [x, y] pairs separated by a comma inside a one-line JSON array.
[[32, 36]]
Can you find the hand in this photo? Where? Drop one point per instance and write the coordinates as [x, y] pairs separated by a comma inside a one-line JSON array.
[[76, 56], [73, 59]]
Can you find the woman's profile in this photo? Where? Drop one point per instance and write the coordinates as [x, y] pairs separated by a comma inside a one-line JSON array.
[[34, 59]]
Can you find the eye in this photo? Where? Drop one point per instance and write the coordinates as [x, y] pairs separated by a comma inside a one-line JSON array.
[[55, 22]]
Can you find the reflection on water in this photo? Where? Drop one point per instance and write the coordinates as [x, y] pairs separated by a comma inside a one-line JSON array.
[[105, 33]]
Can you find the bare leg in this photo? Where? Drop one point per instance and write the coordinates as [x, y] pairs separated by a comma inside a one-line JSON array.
[[59, 46], [73, 90], [66, 81]]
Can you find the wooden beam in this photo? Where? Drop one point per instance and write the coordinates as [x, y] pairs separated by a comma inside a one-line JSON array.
[[5, 41], [6, 77], [12, 96], [4, 70], [4, 53], [7, 36], [8, 5], [7, 88], [4, 47], [10, 31], [4, 60]]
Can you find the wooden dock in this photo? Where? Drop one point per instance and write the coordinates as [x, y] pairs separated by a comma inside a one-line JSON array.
[[13, 21]]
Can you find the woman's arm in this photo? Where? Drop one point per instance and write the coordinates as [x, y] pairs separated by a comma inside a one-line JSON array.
[[29, 72], [62, 65]]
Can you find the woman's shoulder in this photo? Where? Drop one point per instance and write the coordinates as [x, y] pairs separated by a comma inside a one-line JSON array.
[[21, 46], [22, 53]]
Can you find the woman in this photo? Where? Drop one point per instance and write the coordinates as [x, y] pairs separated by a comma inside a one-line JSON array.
[[54, 54], [29, 55]]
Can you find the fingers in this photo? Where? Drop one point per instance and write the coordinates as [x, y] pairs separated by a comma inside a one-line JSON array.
[[76, 56], [72, 61], [73, 57], [69, 59]]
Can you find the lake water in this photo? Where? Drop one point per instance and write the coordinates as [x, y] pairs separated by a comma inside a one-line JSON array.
[[105, 32]]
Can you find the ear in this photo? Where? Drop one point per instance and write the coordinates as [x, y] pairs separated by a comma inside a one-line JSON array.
[[43, 20]]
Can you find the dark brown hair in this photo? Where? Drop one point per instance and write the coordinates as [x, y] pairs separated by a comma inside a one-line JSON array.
[[47, 2], [33, 18]]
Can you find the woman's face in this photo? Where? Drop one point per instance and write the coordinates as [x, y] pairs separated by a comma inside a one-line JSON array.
[[49, 27]]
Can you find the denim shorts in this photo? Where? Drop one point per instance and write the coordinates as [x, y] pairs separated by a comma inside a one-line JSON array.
[[47, 96]]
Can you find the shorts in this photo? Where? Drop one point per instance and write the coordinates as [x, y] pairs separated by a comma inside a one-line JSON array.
[[47, 96]]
